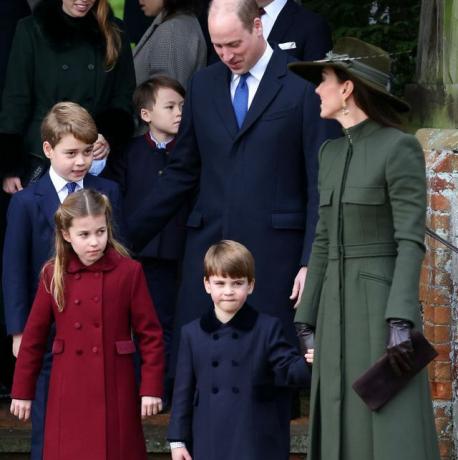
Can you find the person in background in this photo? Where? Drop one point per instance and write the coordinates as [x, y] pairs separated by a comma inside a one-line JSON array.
[[361, 293], [173, 45], [302, 33], [68, 134], [66, 51], [135, 21], [97, 297], [159, 103]]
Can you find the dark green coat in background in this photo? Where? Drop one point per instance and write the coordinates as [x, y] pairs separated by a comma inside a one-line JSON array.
[[55, 58], [364, 269]]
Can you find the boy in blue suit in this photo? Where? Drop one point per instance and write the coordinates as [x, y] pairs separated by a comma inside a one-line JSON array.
[[158, 103], [234, 366], [68, 133]]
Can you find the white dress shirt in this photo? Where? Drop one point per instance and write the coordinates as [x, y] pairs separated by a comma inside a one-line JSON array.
[[268, 19], [256, 74], [60, 184]]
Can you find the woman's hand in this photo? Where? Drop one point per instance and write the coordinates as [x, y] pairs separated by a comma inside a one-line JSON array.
[[310, 355], [20, 408], [101, 148], [12, 185], [298, 286], [151, 406], [17, 339]]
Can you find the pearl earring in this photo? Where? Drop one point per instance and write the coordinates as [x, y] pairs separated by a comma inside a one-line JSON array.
[[345, 110]]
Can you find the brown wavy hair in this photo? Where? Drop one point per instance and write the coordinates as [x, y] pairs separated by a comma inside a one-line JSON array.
[[80, 204]]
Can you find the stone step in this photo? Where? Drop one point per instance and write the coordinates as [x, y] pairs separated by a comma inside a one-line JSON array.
[[15, 437]]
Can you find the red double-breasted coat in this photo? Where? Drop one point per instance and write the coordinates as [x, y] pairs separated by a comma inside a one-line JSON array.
[[93, 410]]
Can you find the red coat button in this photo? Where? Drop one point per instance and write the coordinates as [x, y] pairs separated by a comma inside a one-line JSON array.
[[77, 325], [77, 301], [77, 276], [97, 274], [95, 349], [96, 299]]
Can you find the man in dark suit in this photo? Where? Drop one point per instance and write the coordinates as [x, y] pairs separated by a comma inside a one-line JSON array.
[[295, 29], [249, 143]]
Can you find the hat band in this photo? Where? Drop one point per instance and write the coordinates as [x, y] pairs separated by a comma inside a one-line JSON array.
[[360, 69]]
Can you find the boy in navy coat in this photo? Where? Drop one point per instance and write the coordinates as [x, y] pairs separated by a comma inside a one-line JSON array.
[[68, 133], [158, 103], [234, 366]]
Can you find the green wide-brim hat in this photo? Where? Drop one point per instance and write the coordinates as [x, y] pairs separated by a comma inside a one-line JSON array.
[[364, 62]]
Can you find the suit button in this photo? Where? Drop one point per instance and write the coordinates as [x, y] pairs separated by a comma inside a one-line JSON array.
[[160, 172], [95, 299], [235, 335], [215, 336], [79, 352], [91, 66], [77, 301], [215, 363], [95, 349], [77, 325], [234, 363], [77, 276], [215, 390], [235, 390], [65, 67], [97, 325]]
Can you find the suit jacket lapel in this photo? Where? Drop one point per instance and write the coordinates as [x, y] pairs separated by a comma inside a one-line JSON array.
[[267, 90], [146, 36], [48, 200], [223, 102], [283, 22]]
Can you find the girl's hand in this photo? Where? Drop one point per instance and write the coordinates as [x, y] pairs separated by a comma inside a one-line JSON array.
[[20, 408], [151, 406], [17, 339], [101, 148], [11, 185], [180, 453], [309, 355]]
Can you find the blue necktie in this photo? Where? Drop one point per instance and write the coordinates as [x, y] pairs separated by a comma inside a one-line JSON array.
[[71, 186], [240, 101]]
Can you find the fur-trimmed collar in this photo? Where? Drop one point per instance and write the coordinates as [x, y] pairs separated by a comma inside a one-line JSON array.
[[243, 320], [62, 30]]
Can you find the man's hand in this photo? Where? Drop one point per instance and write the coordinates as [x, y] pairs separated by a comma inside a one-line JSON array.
[[12, 185], [20, 408], [180, 453], [17, 339], [151, 406], [298, 286], [101, 148]]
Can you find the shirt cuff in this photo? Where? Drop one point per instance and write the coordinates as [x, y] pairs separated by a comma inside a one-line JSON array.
[[177, 445]]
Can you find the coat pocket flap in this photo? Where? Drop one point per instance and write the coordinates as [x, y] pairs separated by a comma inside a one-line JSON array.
[[57, 346], [195, 220], [364, 195], [292, 221], [326, 197], [125, 347]]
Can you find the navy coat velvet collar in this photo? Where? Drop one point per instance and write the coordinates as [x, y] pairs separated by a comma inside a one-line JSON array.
[[244, 320]]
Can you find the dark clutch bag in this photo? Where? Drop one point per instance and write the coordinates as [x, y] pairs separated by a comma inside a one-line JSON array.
[[379, 383]]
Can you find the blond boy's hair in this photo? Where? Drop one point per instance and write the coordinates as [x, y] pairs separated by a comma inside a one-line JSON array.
[[68, 118], [229, 259]]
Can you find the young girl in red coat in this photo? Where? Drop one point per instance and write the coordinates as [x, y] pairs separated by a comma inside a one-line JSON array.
[[97, 297]]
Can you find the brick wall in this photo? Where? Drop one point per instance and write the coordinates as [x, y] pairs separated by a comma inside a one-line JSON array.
[[438, 285]]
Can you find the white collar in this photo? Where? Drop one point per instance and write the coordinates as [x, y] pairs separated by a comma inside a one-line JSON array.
[[59, 182], [274, 8]]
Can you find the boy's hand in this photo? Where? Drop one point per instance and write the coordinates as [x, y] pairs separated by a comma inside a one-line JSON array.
[[151, 406], [180, 453], [298, 286], [309, 355], [101, 148], [17, 339], [21, 408], [12, 185]]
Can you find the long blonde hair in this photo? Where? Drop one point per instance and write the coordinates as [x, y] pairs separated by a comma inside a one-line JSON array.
[[80, 204], [110, 32]]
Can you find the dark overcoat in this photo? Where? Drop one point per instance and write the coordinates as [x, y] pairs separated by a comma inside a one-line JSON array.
[[308, 31], [231, 399], [93, 409], [364, 269], [29, 241], [256, 184], [57, 58]]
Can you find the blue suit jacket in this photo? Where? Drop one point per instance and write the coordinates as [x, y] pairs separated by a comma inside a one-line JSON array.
[[308, 30], [256, 184], [29, 242]]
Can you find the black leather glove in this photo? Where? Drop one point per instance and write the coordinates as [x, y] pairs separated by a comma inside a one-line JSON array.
[[399, 346], [306, 335]]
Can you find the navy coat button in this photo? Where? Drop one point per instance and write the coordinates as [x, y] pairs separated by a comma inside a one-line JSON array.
[[235, 335], [215, 363], [79, 352], [235, 390], [235, 363], [91, 66], [77, 301], [215, 336], [160, 172], [65, 67], [77, 325], [215, 390]]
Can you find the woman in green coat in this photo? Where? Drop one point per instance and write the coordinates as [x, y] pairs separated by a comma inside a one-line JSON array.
[[361, 294], [68, 50]]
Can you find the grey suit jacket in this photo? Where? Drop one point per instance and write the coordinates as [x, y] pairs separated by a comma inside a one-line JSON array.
[[175, 47]]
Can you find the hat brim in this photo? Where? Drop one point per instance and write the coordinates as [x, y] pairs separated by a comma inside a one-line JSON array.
[[312, 71]]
